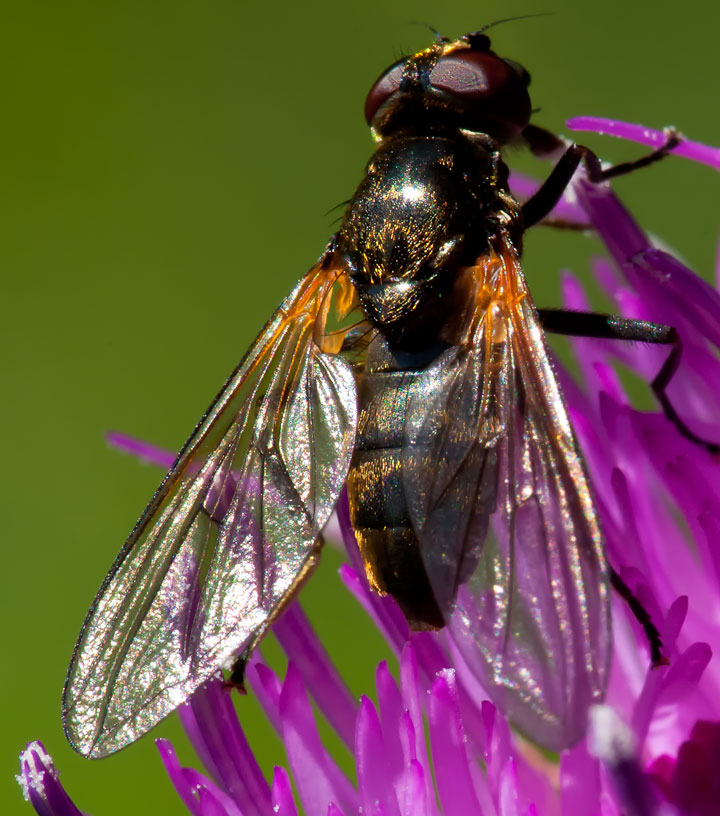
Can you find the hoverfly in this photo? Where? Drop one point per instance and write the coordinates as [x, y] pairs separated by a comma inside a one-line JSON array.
[[435, 403]]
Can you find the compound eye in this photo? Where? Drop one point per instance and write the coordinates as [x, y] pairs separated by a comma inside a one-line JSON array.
[[488, 86], [523, 73], [385, 86]]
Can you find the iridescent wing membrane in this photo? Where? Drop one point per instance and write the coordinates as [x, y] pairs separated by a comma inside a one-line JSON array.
[[501, 506], [230, 532]]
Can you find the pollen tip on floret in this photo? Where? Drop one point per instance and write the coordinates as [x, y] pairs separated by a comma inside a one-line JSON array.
[[35, 762], [609, 738], [283, 802], [40, 785], [614, 744]]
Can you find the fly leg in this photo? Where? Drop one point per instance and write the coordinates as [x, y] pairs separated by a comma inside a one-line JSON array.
[[541, 204], [672, 140], [236, 680], [563, 224], [613, 327], [642, 616], [543, 201]]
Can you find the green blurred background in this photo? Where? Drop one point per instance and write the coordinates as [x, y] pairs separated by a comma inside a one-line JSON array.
[[167, 172]]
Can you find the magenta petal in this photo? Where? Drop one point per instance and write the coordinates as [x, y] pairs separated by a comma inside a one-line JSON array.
[[579, 782], [537, 792], [710, 524], [348, 534], [383, 610], [646, 703], [590, 355], [607, 276], [212, 800], [300, 643], [40, 785], [283, 801], [200, 795], [266, 686], [661, 771], [470, 695], [498, 741], [621, 235], [412, 791], [210, 804], [194, 733], [447, 741], [573, 294], [318, 779], [508, 801], [643, 135], [685, 672], [177, 776], [390, 706], [664, 685], [217, 736], [150, 454], [695, 783], [674, 291], [431, 658], [673, 622], [629, 548], [376, 780], [413, 730]]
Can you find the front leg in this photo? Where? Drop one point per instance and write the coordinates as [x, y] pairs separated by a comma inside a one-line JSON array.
[[543, 201], [613, 327]]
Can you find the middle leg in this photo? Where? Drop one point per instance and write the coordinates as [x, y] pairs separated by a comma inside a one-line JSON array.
[[614, 327]]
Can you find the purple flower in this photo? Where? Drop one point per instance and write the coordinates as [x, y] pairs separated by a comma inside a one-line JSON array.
[[40, 785], [431, 743]]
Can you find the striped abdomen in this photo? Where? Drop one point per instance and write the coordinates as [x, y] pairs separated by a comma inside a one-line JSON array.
[[378, 508]]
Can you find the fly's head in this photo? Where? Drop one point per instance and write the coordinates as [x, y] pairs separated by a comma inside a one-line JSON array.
[[462, 85]]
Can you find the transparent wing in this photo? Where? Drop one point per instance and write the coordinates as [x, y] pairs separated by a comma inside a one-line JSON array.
[[500, 502], [230, 532]]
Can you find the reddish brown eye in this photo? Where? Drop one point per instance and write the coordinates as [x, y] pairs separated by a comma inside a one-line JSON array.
[[488, 85], [519, 70], [383, 89]]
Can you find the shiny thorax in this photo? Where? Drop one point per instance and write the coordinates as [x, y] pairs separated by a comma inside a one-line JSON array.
[[427, 207]]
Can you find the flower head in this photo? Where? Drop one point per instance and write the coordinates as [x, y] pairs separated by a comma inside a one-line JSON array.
[[432, 743]]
